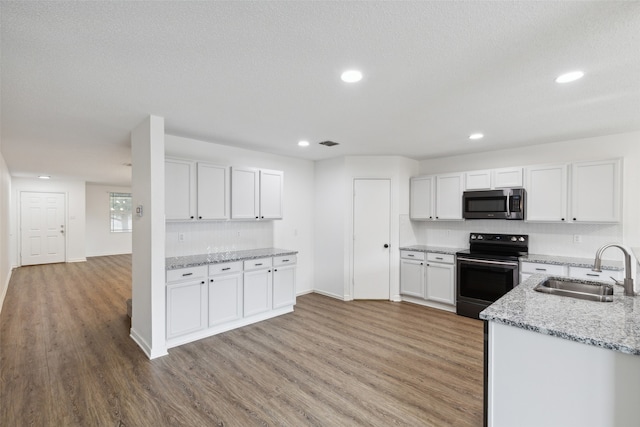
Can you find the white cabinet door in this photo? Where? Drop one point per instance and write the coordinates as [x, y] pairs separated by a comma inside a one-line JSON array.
[[257, 292], [588, 274], [507, 177], [244, 193], [179, 184], [449, 196], [596, 191], [186, 308], [440, 283], [422, 197], [213, 188], [477, 180], [284, 286], [225, 298], [271, 194], [546, 193], [412, 277]]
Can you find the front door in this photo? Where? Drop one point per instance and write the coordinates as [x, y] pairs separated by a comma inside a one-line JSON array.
[[371, 226], [42, 219]]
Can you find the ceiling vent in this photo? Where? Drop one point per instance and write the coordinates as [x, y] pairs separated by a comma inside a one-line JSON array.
[[328, 143]]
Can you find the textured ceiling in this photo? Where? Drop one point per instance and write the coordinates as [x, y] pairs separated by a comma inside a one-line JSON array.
[[78, 76]]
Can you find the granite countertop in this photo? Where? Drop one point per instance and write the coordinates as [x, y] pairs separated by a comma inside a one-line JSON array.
[[611, 325], [173, 263], [432, 249], [570, 261]]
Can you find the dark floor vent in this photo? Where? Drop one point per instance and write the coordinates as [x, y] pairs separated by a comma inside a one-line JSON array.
[[328, 143]]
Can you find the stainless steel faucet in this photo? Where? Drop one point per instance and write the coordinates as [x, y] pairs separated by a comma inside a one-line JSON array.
[[628, 280]]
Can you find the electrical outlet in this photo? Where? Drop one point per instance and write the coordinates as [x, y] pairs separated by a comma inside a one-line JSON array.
[[577, 238], [181, 237]]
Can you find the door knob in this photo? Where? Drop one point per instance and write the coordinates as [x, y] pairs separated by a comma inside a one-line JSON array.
[[386, 245]]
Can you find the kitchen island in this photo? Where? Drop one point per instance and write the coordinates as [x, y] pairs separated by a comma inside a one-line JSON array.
[[559, 361]]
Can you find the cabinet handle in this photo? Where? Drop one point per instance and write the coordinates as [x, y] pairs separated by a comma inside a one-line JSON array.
[[437, 217], [285, 260], [191, 216], [211, 280], [202, 283], [275, 269], [541, 269], [561, 219], [430, 217], [256, 217], [258, 264], [186, 274], [262, 216], [269, 271], [226, 268], [199, 217], [421, 263], [574, 219], [593, 275], [411, 255], [440, 258]]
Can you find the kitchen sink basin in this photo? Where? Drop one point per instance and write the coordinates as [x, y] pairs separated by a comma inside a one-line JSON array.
[[591, 291]]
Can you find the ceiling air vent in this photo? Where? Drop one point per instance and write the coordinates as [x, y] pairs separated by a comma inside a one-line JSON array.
[[328, 143]]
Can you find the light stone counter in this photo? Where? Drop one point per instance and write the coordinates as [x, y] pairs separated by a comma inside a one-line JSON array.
[[431, 249], [173, 263]]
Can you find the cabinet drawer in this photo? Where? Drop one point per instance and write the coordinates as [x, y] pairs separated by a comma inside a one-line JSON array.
[[444, 258], [284, 260], [225, 267], [256, 264], [412, 255], [588, 274], [190, 273], [534, 267]]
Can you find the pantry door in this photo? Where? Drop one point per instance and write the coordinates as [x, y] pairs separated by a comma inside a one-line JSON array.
[[371, 234], [42, 229]]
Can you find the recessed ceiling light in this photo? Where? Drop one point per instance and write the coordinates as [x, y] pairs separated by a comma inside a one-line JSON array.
[[351, 76], [303, 143], [44, 176], [569, 77], [476, 136]]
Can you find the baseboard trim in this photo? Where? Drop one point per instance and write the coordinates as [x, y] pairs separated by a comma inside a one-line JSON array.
[[146, 348], [329, 294], [77, 260], [5, 289]]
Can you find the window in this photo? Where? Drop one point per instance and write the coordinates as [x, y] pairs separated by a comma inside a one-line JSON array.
[[121, 217]]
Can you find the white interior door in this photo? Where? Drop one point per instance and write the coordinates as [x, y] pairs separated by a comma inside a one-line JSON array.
[[371, 234], [42, 219]]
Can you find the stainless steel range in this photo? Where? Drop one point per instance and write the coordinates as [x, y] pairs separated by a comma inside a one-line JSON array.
[[487, 270]]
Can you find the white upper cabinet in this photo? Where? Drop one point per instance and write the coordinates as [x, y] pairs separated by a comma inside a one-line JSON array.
[[213, 190], [245, 197], [422, 197], [493, 178], [180, 189], [477, 180], [449, 196], [596, 191], [506, 177], [546, 193], [256, 194], [195, 190], [271, 184]]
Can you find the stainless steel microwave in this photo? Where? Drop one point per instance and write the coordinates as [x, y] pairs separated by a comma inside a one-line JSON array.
[[506, 203]]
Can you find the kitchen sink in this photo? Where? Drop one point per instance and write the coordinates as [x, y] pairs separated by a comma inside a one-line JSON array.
[[591, 291]]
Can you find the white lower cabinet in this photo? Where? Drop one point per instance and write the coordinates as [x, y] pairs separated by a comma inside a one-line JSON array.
[[203, 301], [225, 298], [428, 279], [257, 291], [584, 273], [440, 283], [186, 307]]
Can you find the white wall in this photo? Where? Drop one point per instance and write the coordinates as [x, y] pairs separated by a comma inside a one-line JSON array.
[[334, 225], [5, 213], [294, 231], [553, 239], [100, 241], [75, 216]]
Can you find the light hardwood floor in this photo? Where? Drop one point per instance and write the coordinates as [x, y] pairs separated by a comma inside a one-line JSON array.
[[66, 359]]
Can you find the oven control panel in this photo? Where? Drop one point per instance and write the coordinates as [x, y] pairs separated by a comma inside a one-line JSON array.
[[499, 238]]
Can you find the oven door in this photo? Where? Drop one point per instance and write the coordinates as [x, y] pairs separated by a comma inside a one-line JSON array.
[[482, 281]]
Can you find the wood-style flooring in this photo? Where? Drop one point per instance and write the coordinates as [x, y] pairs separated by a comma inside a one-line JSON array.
[[66, 359]]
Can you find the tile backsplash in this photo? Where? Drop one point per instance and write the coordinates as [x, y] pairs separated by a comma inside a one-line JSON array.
[[544, 238], [203, 237]]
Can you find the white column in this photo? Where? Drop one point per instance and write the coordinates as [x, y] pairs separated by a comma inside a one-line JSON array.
[[148, 259]]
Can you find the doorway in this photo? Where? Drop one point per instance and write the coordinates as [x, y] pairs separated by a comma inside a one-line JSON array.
[[371, 234], [42, 228]]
